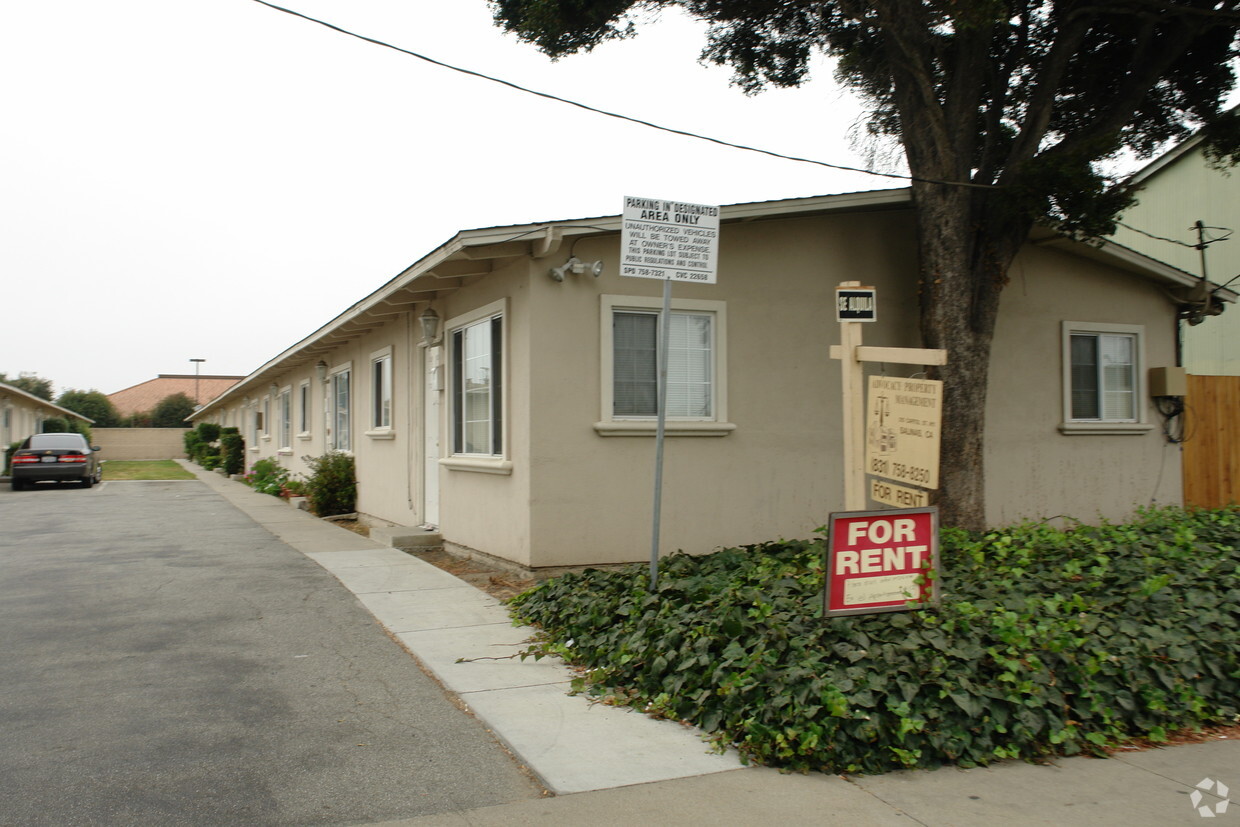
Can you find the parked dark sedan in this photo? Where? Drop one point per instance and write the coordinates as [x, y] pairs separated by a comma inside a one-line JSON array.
[[57, 457]]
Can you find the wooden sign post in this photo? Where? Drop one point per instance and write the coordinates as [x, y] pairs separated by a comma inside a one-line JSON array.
[[851, 353]]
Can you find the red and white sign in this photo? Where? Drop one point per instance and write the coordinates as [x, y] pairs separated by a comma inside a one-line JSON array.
[[878, 561]]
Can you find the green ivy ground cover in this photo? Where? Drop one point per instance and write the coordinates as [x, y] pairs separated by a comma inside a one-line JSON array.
[[1046, 642]]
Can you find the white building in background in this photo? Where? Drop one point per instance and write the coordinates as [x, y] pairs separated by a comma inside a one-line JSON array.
[[1178, 190]]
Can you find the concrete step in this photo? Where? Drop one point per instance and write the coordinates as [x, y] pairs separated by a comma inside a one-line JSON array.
[[407, 538]]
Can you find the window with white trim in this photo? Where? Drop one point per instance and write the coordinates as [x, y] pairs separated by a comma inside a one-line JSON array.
[[303, 408], [1103, 369], [477, 388], [340, 397], [381, 390], [266, 418], [696, 366], [285, 408]]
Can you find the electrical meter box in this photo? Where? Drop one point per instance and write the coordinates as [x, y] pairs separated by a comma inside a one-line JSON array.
[[1168, 382]]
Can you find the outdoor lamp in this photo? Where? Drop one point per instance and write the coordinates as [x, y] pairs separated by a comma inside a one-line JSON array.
[[576, 266], [430, 324], [320, 370]]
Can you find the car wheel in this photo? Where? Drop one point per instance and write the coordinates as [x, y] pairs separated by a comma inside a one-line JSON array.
[[87, 482], [18, 485]]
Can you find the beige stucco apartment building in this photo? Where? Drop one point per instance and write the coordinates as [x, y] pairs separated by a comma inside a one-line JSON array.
[[523, 426], [22, 414]]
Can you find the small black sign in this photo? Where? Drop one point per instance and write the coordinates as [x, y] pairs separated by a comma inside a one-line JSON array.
[[855, 304]]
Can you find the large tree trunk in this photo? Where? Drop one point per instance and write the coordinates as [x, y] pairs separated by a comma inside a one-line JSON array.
[[965, 253]]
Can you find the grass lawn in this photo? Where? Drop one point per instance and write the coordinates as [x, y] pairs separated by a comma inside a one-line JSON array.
[[162, 469]]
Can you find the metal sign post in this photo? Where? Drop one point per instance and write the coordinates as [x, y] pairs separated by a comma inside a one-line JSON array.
[[665, 325], [672, 241]]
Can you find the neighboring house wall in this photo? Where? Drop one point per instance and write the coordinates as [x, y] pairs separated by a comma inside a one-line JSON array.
[[1177, 191], [139, 443], [572, 482]]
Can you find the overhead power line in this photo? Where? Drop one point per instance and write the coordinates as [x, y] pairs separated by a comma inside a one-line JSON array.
[[616, 115]]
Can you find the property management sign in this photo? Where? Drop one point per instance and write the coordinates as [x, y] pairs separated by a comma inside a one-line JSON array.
[[902, 431]]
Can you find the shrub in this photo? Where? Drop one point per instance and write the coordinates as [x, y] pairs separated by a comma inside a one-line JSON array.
[[332, 486], [192, 441], [232, 451], [209, 431], [8, 457], [294, 488], [267, 477], [1046, 642], [56, 425]]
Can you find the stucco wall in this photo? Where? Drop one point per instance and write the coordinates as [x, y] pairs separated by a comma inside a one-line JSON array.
[[1033, 470], [778, 472], [565, 492], [139, 443]]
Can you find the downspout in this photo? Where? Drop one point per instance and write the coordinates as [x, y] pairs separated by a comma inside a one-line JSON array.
[[410, 459]]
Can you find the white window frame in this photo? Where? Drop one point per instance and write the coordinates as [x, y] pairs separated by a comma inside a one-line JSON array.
[[1118, 427], [335, 441], [611, 425], [265, 429], [381, 407], [255, 417], [498, 463], [304, 410], [284, 408]]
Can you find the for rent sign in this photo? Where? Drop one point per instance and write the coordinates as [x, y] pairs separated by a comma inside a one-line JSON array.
[[879, 561]]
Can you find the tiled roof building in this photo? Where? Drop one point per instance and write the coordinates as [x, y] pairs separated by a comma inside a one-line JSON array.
[[143, 398]]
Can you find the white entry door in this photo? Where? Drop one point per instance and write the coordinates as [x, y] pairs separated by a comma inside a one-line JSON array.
[[432, 373]]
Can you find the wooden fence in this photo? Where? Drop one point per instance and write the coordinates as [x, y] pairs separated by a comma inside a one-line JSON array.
[[1212, 445]]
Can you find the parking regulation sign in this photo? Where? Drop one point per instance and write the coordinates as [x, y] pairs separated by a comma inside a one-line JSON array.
[[670, 240], [881, 561]]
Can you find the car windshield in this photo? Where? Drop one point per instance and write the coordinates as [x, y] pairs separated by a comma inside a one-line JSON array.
[[57, 442]]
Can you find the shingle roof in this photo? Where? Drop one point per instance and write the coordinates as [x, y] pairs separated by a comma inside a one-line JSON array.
[[143, 398]]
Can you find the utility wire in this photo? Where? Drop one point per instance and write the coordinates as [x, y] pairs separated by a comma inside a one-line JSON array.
[[1177, 241], [616, 115]]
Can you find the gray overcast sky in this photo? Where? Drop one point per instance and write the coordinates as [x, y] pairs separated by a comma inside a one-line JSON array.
[[217, 179]]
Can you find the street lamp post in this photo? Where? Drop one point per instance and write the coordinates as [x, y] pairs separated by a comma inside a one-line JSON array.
[[197, 399]]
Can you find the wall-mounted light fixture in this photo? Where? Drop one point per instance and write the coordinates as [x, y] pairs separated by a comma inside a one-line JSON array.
[[320, 370], [275, 389], [430, 324], [576, 266]]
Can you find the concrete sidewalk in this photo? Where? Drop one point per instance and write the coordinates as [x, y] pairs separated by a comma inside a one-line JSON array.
[[607, 765]]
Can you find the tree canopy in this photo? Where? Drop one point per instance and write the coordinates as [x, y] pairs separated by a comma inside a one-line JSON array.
[[1024, 94], [30, 383], [92, 404], [1006, 111], [172, 412]]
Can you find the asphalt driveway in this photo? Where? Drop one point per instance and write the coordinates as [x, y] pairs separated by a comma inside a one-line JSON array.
[[165, 660]]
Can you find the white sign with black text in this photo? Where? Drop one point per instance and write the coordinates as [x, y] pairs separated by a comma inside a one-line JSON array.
[[669, 240]]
